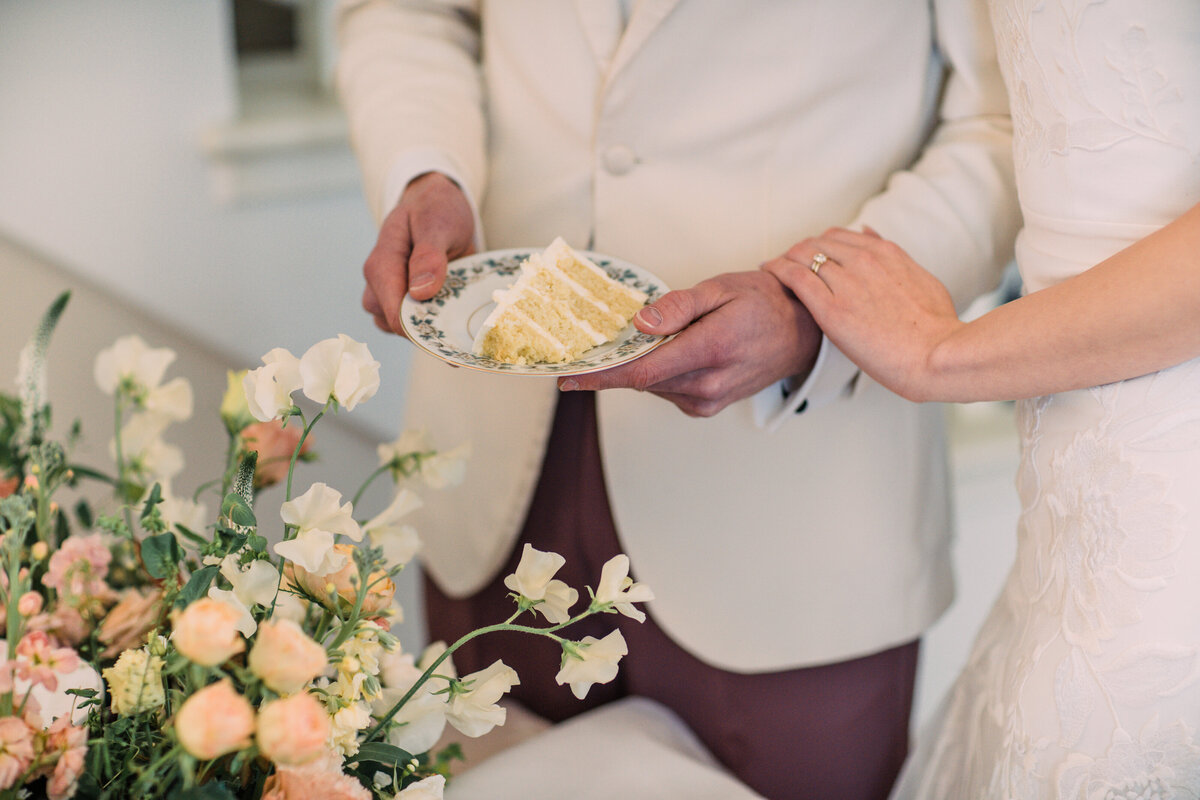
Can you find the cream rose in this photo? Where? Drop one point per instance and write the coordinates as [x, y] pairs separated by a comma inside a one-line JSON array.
[[284, 656], [214, 721]]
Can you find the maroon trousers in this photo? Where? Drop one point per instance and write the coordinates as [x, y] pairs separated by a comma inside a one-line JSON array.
[[833, 731]]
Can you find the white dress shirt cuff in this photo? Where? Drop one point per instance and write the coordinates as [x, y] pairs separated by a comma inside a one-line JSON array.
[[417, 162], [832, 377]]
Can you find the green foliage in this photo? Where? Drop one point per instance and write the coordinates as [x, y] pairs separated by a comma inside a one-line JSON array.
[[162, 555]]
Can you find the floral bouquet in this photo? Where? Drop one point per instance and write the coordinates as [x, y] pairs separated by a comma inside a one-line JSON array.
[[158, 651]]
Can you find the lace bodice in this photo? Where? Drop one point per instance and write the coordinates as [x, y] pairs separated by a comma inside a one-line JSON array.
[[1084, 682], [1105, 98]]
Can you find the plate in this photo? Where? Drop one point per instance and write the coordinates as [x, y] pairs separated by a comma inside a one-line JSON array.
[[445, 325]]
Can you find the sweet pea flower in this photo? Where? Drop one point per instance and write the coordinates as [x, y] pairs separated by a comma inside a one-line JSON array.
[[400, 542], [206, 632], [245, 623], [312, 551], [591, 661], [172, 401], [16, 750], [533, 580], [438, 470], [293, 730], [135, 683], [255, 583], [214, 721], [269, 388], [341, 369], [285, 657], [430, 788], [130, 360], [423, 718], [145, 451], [321, 508], [618, 588], [184, 511], [472, 707]]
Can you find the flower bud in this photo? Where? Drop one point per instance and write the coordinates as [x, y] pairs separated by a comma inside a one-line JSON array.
[[39, 551], [29, 604]]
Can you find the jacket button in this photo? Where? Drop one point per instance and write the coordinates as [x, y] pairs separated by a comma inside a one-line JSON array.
[[619, 160]]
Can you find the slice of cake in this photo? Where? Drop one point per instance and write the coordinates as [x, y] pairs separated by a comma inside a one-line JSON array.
[[561, 306]]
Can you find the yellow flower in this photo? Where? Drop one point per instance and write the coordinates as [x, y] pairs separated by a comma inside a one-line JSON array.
[[235, 411], [135, 683]]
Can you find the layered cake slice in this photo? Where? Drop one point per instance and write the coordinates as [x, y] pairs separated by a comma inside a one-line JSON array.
[[561, 306]]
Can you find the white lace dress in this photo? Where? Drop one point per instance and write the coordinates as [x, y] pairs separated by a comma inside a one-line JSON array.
[[1084, 681]]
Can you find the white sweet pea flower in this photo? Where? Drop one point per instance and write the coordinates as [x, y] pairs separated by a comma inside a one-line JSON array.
[[591, 661], [313, 550], [321, 508], [129, 359], [414, 440], [245, 622], [144, 450], [172, 400], [430, 788], [423, 718], [183, 511], [399, 542], [534, 580], [255, 583], [340, 368], [618, 588], [446, 469], [269, 388], [472, 707]]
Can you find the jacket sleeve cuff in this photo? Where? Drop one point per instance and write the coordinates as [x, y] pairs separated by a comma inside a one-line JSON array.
[[832, 377], [418, 162]]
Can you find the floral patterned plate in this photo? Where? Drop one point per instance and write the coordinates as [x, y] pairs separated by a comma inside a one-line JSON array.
[[445, 325]]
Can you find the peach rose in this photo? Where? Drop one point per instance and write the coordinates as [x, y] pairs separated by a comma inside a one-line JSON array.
[[293, 730], [308, 783], [274, 444], [206, 632], [126, 625], [345, 582], [214, 721], [285, 657]]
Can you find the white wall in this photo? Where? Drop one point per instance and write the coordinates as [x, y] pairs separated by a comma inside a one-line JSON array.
[[103, 108]]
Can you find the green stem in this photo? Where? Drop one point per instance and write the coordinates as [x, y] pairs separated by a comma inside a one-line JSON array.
[[428, 673], [118, 417], [300, 446], [370, 479]]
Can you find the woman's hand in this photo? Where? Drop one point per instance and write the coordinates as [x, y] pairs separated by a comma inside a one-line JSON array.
[[881, 308]]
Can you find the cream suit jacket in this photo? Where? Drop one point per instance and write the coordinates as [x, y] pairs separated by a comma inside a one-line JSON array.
[[700, 137]]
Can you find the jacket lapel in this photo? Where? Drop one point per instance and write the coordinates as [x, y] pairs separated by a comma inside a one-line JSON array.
[[613, 48]]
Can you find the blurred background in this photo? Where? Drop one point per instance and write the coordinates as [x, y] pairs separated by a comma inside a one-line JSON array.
[[184, 170]]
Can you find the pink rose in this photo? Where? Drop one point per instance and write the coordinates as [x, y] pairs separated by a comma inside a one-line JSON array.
[[274, 444], [345, 583], [285, 657], [214, 721], [294, 730], [127, 624], [206, 632], [309, 783]]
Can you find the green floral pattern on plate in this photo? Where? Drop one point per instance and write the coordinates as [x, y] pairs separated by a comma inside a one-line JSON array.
[[441, 325]]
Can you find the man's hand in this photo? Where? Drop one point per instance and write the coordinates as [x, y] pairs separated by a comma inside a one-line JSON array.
[[431, 225], [738, 333]]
